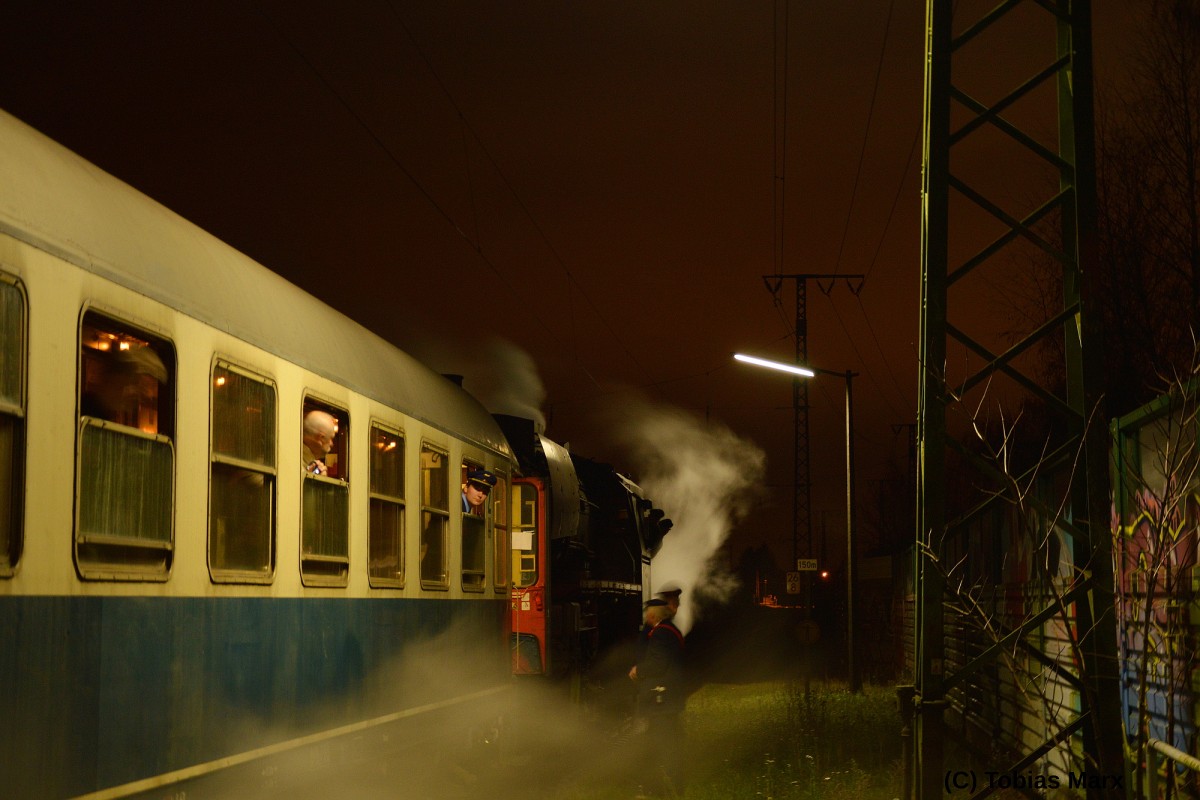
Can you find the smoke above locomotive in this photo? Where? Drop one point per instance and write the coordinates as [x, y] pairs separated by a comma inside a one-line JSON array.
[[707, 477]]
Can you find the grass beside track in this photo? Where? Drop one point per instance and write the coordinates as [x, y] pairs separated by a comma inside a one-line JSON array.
[[778, 742]]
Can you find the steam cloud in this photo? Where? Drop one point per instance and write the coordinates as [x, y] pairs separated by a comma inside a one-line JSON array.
[[701, 474], [704, 477], [506, 381]]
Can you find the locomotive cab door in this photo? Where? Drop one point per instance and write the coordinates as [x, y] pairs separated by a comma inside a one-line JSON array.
[[530, 577]]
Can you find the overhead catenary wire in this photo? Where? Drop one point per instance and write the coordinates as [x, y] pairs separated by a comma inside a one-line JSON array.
[[887, 224], [776, 299], [862, 153], [705, 373], [558, 258], [472, 243], [779, 140], [868, 374], [886, 363], [366, 127], [874, 259]]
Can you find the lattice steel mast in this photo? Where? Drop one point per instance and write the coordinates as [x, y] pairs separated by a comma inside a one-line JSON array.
[[802, 544], [1069, 70]]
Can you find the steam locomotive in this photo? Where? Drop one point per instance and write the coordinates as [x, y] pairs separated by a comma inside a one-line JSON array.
[[583, 539], [179, 595]]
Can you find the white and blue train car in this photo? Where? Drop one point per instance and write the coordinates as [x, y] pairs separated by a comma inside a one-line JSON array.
[[177, 591]]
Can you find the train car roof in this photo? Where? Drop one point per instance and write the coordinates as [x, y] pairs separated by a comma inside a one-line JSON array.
[[58, 202]]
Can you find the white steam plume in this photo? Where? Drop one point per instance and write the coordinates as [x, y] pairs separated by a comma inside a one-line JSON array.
[[505, 380], [704, 477]]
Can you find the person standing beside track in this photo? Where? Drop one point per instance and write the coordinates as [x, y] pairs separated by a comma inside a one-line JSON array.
[[662, 694], [669, 593]]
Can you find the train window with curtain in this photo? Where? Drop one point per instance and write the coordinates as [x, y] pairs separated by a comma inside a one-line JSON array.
[[12, 422], [126, 458], [435, 518], [241, 500], [386, 532], [474, 525], [500, 546], [325, 516]]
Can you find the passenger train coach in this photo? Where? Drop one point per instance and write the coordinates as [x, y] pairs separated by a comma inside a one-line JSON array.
[[175, 587]]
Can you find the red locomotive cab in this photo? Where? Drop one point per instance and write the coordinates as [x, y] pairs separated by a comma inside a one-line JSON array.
[[530, 585]]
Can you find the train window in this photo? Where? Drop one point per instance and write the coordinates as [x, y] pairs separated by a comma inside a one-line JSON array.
[[126, 455], [477, 485], [500, 547], [325, 520], [524, 536], [241, 504], [435, 518], [12, 421], [386, 533]]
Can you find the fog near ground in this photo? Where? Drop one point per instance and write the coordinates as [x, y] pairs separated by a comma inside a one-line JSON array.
[[443, 720]]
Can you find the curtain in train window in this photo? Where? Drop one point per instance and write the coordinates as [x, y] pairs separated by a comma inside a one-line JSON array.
[[435, 518], [12, 422], [500, 547], [386, 532], [325, 517], [126, 451], [241, 513], [474, 538]]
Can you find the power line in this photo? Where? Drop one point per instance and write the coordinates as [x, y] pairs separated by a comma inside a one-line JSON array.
[[862, 360], [524, 209], [779, 121], [885, 360], [895, 202], [837, 264], [473, 243]]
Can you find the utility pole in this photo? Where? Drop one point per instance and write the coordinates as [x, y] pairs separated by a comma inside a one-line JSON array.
[[802, 544]]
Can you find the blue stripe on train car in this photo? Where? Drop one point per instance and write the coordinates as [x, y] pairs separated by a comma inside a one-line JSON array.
[[101, 691]]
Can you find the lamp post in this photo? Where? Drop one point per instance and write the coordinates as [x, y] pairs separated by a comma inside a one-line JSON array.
[[851, 522]]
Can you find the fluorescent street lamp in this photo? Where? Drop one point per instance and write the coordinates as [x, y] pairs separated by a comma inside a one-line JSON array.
[[851, 555], [762, 362]]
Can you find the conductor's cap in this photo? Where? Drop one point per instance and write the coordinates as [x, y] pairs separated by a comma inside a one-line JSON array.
[[481, 478]]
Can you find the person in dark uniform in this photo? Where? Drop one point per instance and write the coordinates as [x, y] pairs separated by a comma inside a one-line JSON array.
[[662, 695], [475, 491], [669, 593]]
